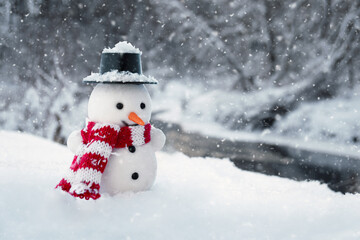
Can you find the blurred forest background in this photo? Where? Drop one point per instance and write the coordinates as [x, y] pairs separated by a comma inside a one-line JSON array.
[[272, 58]]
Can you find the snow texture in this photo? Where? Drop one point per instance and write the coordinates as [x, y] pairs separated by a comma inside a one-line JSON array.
[[122, 47], [193, 198], [119, 77], [335, 121]]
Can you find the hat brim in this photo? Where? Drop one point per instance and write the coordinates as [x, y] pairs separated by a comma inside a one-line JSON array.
[[115, 77]]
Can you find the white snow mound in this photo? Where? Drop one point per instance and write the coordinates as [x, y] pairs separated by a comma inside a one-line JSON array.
[[122, 47], [193, 198]]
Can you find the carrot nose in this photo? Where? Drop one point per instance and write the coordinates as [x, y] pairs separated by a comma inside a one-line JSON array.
[[136, 119]]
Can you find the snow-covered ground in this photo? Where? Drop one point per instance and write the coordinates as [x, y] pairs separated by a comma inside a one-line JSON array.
[[193, 198]]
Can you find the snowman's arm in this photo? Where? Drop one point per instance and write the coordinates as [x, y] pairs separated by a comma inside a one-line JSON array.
[[157, 138], [74, 141]]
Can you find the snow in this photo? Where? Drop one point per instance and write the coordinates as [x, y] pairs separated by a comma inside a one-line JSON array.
[[324, 126], [119, 77], [334, 120], [122, 47], [193, 198]]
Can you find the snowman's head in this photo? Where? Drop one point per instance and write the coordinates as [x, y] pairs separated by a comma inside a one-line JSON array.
[[121, 104]]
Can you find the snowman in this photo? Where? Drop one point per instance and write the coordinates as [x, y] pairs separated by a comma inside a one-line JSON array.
[[115, 152]]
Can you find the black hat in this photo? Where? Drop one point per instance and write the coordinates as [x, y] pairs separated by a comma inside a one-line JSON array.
[[121, 67]]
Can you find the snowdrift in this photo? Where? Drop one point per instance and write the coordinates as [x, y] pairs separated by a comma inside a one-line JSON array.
[[193, 198]]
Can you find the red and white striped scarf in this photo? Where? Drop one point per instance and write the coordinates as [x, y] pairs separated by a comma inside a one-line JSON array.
[[84, 176]]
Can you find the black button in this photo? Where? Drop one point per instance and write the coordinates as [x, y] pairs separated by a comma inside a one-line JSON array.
[[132, 149], [135, 176]]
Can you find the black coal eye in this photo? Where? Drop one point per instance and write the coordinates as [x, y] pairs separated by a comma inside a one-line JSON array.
[[119, 106], [142, 105]]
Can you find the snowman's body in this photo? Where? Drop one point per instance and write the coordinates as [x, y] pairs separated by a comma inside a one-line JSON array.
[[131, 168], [127, 171]]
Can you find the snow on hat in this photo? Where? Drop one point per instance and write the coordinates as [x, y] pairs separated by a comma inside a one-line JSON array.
[[120, 64]]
